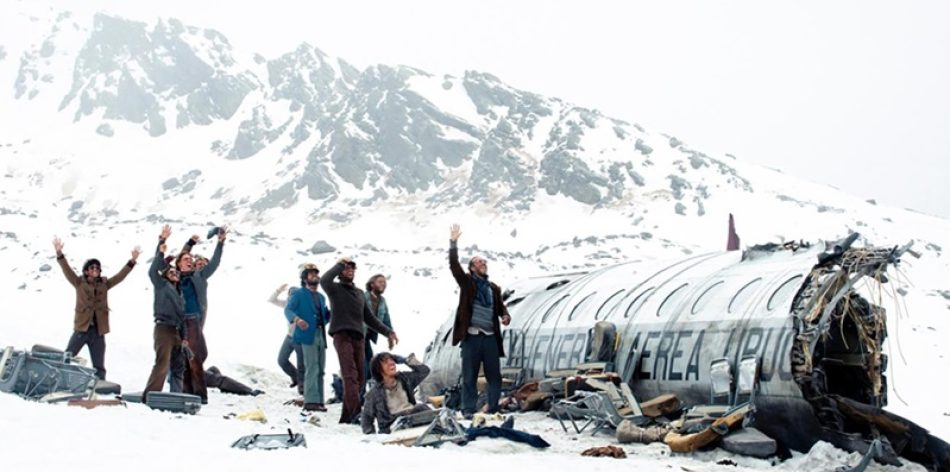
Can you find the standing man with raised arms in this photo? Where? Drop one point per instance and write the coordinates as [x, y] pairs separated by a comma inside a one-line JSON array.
[[477, 326], [350, 312], [91, 319]]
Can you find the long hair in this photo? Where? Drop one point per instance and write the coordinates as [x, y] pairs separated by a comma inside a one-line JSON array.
[[376, 365], [369, 283]]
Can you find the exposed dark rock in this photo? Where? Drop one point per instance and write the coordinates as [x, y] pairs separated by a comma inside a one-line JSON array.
[[142, 67], [170, 184], [321, 247], [677, 185], [643, 148], [106, 130]]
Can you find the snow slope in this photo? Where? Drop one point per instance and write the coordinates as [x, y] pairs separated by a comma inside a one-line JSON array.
[[378, 163]]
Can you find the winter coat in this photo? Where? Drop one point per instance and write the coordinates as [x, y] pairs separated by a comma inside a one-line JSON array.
[[169, 306], [301, 305], [382, 314], [200, 277], [374, 405], [467, 288], [92, 296], [348, 306]]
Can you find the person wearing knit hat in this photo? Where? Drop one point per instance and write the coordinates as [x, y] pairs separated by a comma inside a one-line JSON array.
[[307, 312], [351, 317], [91, 318]]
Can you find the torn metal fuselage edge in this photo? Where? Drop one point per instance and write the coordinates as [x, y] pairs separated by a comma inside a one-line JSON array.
[[816, 341]]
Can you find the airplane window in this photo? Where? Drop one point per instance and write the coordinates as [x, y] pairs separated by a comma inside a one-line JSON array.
[[551, 309], [706, 297], [583, 303], [557, 284], [783, 292], [672, 301], [637, 302], [515, 301], [743, 295], [600, 311]]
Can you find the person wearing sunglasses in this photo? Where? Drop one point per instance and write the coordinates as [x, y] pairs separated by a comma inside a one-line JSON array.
[[91, 318]]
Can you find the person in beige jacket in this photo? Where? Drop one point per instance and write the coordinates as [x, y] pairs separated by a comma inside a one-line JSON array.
[[91, 320]]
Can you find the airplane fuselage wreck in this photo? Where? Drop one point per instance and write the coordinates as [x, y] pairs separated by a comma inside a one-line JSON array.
[[796, 311]]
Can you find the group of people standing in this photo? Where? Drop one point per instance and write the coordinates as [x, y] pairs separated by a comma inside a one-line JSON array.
[[351, 317], [356, 315]]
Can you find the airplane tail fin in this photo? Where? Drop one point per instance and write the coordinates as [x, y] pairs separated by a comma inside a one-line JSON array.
[[732, 244]]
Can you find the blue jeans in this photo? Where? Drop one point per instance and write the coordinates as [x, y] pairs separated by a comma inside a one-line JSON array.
[[297, 373], [480, 350]]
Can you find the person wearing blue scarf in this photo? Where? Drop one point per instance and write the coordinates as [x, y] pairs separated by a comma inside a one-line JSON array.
[[482, 289], [478, 320]]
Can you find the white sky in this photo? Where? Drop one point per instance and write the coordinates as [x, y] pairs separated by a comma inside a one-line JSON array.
[[846, 93]]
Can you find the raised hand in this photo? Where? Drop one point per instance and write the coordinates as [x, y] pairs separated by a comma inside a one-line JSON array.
[[345, 260], [58, 245], [135, 253], [455, 233], [195, 238], [166, 232], [223, 233]]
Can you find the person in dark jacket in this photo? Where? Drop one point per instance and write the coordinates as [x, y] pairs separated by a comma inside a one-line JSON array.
[[288, 347], [375, 287], [169, 309], [393, 395], [307, 311], [347, 328], [477, 326], [214, 378], [91, 319], [187, 371]]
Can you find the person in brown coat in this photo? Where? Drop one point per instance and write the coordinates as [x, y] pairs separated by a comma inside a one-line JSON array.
[[480, 313], [91, 320]]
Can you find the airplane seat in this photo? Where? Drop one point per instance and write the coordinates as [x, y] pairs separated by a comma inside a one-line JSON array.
[[602, 343]]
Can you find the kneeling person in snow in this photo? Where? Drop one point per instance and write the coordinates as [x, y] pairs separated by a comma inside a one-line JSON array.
[[392, 396]]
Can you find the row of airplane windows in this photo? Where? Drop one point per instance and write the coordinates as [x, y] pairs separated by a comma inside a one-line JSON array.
[[672, 301]]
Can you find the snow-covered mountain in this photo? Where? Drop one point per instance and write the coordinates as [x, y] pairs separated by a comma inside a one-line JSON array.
[[111, 127]]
